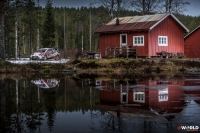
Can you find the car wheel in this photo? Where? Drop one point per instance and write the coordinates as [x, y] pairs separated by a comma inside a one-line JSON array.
[[45, 58], [57, 57]]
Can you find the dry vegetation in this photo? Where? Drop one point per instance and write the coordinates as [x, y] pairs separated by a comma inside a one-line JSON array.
[[134, 65], [109, 66]]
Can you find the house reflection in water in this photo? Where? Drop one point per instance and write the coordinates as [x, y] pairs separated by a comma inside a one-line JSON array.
[[163, 98], [149, 101]]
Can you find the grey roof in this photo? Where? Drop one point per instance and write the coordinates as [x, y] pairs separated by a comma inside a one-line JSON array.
[[134, 23]]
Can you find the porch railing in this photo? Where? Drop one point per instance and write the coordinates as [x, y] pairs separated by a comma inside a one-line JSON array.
[[107, 51], [121, 51]]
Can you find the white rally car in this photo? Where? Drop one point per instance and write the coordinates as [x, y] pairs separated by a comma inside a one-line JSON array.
[[46, 83], [45, 54]]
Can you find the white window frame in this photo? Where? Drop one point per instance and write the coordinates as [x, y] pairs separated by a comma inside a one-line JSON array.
[[162, 41], [163, 95], [139, 97], [123, 44], [137, 38]]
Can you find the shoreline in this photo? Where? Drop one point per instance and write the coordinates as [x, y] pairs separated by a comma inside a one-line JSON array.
[[113, 65]]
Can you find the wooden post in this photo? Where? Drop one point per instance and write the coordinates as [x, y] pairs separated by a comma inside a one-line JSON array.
[[126, 52], [114, 52], [136, 52]]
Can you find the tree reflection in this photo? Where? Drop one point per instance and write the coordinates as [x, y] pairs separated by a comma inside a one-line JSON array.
[[25, 106], [50, 105], [111, 122], [33, 115], [2, 107]]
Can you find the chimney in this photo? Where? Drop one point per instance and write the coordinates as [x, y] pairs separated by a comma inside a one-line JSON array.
[[117, 21]]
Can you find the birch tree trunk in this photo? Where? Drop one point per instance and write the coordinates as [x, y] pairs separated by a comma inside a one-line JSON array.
[[38, 29], [16, 37]]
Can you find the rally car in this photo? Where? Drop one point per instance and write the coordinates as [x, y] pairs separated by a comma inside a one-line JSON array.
[[45, 54]]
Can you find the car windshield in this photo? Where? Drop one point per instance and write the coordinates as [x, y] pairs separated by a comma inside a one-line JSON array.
[[41, 50]]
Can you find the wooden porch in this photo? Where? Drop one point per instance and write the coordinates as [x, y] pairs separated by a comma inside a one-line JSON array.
[[121, 52]]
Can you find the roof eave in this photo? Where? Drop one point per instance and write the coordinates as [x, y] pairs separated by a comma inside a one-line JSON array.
[[169, 14], [192, 32], [122, 31], [180, 23]]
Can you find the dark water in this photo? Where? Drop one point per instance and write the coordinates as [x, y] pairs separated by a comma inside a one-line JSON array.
[[93, 104]]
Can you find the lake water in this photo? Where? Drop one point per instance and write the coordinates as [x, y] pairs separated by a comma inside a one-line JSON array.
[[100, 104]]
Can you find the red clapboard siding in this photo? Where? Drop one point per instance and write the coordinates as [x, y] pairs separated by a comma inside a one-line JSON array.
[[192, 44], [106, 40], [142, 50], [175, 33]]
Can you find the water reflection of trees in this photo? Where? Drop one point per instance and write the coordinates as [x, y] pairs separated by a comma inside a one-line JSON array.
[[24, 106], [50, 106], [111, 122], [33, 113], [76, 97]]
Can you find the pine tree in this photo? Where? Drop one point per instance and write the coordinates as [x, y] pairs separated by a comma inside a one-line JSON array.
[[48, 34]]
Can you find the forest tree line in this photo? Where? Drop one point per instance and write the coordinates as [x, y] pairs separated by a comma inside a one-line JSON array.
[[29, 26]]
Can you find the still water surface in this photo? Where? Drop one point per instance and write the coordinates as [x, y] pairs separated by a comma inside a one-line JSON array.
[[92, 104]]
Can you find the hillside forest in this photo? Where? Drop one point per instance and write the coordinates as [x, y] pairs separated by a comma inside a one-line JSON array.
[[29, 26]]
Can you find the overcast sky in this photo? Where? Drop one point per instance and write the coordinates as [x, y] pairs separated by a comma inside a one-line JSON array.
[[193, 8]]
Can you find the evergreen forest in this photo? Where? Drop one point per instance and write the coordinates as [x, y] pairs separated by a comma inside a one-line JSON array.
[[29, 26]]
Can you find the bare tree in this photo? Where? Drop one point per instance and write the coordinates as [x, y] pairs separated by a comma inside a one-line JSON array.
[[120, 5], [179, 6], [151, 6], [109, 4], [18, 4], [114, 6], [159, 6], [173, 6], [2, 42], [5, 7], [145, 6]]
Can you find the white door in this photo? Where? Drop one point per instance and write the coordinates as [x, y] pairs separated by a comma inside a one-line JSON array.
[[123, 39]]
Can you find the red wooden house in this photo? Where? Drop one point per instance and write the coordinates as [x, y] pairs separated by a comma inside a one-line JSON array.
[[148, 34], [192, 44]]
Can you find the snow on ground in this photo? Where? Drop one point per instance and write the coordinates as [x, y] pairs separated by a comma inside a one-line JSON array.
[[27, 60]]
